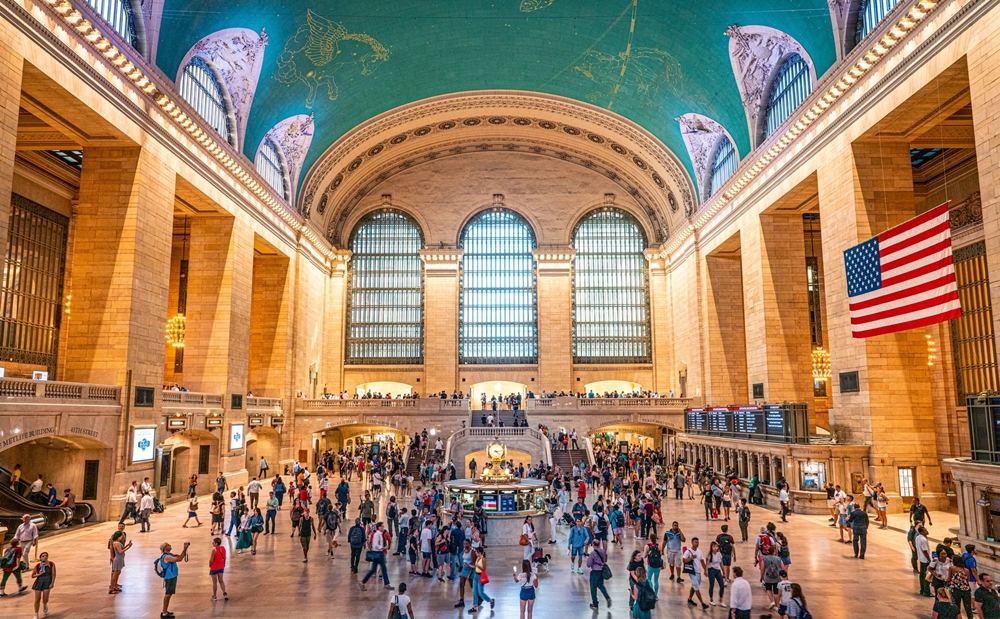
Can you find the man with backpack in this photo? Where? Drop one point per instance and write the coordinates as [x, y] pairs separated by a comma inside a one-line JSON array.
[[331, 527], [743, 517], [378, 542], [10, 563], [166, 568], [601, 526], [356, 539], [727, 548]]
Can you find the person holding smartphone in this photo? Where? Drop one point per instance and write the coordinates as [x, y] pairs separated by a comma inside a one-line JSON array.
[[169, 562], [44, 576], [528, 581]]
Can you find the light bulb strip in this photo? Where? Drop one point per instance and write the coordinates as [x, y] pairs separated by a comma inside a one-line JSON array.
[[92, 36], [852, 74]]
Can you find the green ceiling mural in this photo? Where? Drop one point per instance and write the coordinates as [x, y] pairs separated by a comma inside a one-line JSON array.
[[346, 61]]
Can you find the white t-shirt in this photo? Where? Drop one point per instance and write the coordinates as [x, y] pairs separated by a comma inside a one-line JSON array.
[[697, 555], [253, 487], [426, 537], [783, 496], [785, 589], [715, 560], [403, 602]]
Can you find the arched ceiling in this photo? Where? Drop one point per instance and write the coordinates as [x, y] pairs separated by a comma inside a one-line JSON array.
[[650, 61]]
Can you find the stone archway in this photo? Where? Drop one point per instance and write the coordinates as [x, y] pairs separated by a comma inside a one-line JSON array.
[[191, 452]]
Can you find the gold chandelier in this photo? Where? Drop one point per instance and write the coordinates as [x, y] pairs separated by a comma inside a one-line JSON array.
[[821, 363], [175, 331]]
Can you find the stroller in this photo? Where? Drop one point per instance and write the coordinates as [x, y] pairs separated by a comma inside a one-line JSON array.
[[157, 506], [568, 519]]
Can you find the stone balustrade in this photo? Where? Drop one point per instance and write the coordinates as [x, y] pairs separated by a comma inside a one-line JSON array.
[[21, 390], [177, 399], [574, 402]]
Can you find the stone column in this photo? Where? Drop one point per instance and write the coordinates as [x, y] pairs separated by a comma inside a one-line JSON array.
[[441, 319], [555, 318], [334, 316], [270, 344], [776, 308], [724, 333], [220, 284], [863, 191], [659, 323], [11, 69]]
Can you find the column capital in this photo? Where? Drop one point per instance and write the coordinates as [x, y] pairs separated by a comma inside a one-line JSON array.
[[657, 261], [339, 261], [441, 262], [555, 262]]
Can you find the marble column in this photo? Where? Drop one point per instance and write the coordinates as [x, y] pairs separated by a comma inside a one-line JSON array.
[[441, 319], [555, 318]]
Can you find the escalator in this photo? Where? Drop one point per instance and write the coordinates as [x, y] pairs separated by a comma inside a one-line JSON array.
[[14, 505]]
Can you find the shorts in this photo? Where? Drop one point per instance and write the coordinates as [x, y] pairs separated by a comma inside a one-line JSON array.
[[192, 514], [331, 536], [771, 586], [444, 558], [466, 572], [617, 530], [782, 610], [170, 586], [695, 580], [842, 520], [304, 540], [217, 518], [727, 504], [425, 555], [214, 572], [674, 559], [576, 551], [601, 536], [786, 561], [727, 560], [830, 503], [527, 593]]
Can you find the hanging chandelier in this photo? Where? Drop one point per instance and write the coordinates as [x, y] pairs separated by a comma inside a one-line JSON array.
[[821, 363], [175, 331]]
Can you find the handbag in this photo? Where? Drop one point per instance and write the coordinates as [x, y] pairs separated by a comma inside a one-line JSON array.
[[396, 613], [524, 541], [373, 555], [483, 578], [689, 568], [606, 572]]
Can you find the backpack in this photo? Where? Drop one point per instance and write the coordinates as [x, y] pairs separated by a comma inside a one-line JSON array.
[[619, 520], [745, 514], [726, 544], [654, 556], [9, 558], [332, 520], [646, 598], [770, 570], [765, 544], [159, 567], [783, 551], [392, 512], [356, 537], [602, 523]]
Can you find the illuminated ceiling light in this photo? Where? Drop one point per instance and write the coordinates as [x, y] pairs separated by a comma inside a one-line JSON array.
[[820, 364], [176, 328]]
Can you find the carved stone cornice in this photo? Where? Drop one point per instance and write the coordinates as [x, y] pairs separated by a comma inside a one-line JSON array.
[[441, 262], [553, 262]]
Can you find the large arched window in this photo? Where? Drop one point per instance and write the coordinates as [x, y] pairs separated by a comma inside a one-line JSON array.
[[723, 165], [497, 305], [202, 90], [790, 88], [118, 14], [610, 298], [385, 304], [870, 14], [271, 165]]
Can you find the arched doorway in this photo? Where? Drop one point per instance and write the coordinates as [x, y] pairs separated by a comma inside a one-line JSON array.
[[262, 442], [187, 453], [498, 389]]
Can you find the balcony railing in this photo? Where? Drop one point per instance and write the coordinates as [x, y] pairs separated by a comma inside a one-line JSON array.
[[14, 389], [191, 398], [573, 402], [269, 403], [352, 404]]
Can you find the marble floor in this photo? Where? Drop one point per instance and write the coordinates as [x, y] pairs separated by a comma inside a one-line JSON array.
[[275, 581]]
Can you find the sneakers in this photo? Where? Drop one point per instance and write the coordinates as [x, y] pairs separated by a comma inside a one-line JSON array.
[[493, 602], [461, 604], [723, 604], [225, 596], [692, 603], [215, 599], [704, 606], [711, 603], [594, 606], [388, 587]]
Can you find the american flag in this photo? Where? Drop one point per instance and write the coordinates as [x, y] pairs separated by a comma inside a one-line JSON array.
[[904, 278]]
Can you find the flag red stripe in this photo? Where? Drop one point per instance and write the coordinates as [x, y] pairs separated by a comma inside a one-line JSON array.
[[911, 324], [930, 250], [927, 268], [951, 295], [916, 238], [906, 292], [913, 223]]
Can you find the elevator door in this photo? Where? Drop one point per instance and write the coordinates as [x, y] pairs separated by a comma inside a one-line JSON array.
[[204, 451], [90, 469]]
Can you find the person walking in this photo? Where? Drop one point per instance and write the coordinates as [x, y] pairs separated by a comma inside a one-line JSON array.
[[796, 604], [479, 580], [727, 550], [401, 601], [130, 501], [924, 559], [253, 489], [263, 468], [27, 534], [673, 540], [986, 598], [216, 569], [713, 563], [644, 600], [331, 529], [307, 531], [528, 581], [256, 526], [653, 555], [743, 519], [192, 510], [44, 576], [356, 539], [577, 540], [694, 567], [118, 549], [11, 565], [146, 505], [270, 515], [378, 542], [597, 561], [783, 498], [740, 596], [858, 521], [168, 564]]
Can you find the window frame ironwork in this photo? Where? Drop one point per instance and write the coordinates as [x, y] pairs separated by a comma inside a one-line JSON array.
[[203, 91], [611, 292], [871, 13], [271, 165], [30, 318], [792, 85], [972, 337], [119, 15], [394, 334], [473, 346], [724, 164]]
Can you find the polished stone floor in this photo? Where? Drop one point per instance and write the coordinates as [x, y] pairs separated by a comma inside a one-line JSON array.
[[275, 582]]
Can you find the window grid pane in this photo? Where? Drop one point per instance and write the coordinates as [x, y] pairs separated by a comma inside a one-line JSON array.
[[385, 314], [610, 292], [31, 292], [200, 89], [118, 13], [724, 165], [870, 14], [498, 316], [269, 166], [791, 87], [972, 337]]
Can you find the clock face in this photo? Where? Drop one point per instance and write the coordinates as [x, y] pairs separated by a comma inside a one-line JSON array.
[[495, 451]]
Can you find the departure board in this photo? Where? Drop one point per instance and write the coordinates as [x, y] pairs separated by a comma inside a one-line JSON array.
[[748, 420], [774, 421], [786, 423]]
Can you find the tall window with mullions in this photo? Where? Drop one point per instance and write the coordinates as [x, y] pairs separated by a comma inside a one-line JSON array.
[[791, 86], [118, 14], [385, 313], [870, 15], [498, 315], [610, 290]]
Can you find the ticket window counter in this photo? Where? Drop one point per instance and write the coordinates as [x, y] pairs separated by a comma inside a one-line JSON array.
[[812, 476], [526, 501]]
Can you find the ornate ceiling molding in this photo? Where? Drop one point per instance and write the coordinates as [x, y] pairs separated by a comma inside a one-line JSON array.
[[502, 120], [238, 54], [702, 136], [756, 53], [293, 136]]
